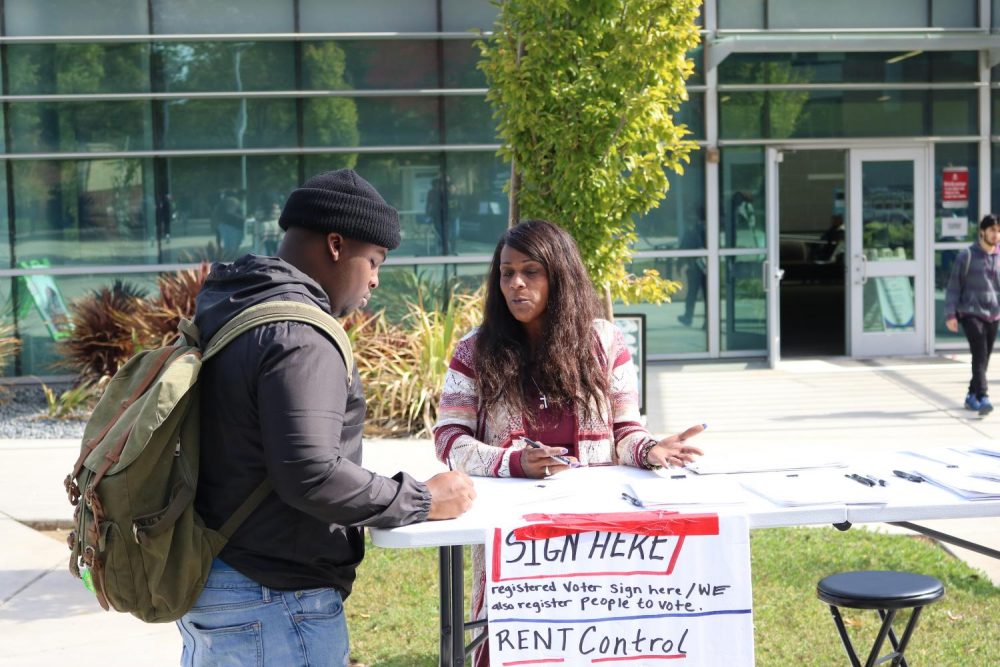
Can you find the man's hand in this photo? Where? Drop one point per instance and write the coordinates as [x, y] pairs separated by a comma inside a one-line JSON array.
[[452, 494], [951, 324]]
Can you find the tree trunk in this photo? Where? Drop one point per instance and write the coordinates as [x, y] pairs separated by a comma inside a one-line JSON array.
[[515, 189], [609, 306]]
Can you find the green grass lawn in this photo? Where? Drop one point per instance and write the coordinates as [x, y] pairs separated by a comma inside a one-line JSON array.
[[394, 623]]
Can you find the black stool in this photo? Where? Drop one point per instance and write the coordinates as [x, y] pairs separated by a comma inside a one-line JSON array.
[[887, 593]]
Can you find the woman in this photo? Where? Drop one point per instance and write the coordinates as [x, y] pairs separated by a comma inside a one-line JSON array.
[[543, 366]]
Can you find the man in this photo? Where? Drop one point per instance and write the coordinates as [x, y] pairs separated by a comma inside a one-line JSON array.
[[973, 299], [276, 403]]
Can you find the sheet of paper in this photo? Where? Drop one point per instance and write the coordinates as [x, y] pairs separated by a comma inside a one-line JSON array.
[[968, 485], [687, 490], [759, 462], [815, 489]]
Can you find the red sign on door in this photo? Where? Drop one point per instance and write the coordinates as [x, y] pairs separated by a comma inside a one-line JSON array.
[[955, 187]]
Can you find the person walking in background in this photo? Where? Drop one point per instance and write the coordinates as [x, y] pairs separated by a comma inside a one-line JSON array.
[[543, 365], [282, 407], [973, 300]]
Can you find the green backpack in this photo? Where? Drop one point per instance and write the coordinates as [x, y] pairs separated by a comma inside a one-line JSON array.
[[139, 545]]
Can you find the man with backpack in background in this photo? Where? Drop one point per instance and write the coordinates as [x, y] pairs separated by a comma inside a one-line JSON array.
[[277, 403], [973, 299]]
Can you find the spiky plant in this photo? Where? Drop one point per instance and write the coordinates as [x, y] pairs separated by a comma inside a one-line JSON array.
[[102, 340], [156, 324], [403, 365], [9, 345]]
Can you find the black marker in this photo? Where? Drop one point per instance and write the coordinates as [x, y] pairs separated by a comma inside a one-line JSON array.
[[632, 499], [538, 445], [908, 476], [860, 480]]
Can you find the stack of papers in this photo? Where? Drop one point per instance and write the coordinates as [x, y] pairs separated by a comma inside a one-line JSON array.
[[709, 465], [660, 492], [993, 451], [828, 489], [971, 485]]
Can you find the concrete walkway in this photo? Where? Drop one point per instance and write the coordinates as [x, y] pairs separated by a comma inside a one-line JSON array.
[[841, 405]]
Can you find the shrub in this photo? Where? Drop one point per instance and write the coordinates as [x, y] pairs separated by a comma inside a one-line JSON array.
[[403, 365]]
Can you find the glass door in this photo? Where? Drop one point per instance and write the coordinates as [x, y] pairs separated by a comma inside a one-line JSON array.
[[886, 230]]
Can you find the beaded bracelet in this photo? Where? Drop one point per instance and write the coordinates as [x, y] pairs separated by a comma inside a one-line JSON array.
[[644, 456]]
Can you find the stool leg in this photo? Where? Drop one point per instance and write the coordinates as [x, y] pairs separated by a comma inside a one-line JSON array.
[[844, 639], [907, 633], [880, 639]]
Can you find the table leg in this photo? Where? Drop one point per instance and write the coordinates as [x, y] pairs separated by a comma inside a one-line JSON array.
[[444, 583], [457, 607]]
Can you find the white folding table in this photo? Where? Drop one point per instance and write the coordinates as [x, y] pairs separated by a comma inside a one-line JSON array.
[[502, 499]]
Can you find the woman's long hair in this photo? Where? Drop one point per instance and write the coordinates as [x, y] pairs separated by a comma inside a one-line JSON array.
[[564, 365]]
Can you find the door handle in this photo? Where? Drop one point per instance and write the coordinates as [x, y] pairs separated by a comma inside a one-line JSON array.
[[862, 268], [766, 274]]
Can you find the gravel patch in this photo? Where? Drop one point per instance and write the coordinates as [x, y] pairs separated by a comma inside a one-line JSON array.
[[23, 415]]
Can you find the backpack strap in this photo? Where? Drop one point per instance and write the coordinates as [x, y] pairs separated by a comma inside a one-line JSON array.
[[283, 311], [245, 509]]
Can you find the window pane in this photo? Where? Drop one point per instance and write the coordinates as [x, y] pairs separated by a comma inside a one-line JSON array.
[[741, 205], [875, 294], [210, 193], [469, 120], [49, 69], [956, 163], [222, 16], [39, 353], [370, 121], [79, 126], [692, 114], [73, 212], [698, 76], [254, 123], [676, 327], [369, 64], [855, 113], [227, 66], [460, 64], [463, 15], [741, 14], [944, 260], [894, 67], [955, 13], [679, 220], [6, 256], [75, 17], [743, 318], [370, 16], [887, 195], [783, 14], [449, 203]]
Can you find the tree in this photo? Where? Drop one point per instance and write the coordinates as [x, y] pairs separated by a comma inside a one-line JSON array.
[[584, 92]]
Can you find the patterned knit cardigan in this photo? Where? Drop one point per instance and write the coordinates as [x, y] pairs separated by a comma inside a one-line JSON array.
[[481, 444]]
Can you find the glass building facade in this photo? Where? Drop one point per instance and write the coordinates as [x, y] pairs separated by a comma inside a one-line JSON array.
[[136, 131]]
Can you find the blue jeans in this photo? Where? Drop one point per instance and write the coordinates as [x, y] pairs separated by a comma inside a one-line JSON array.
[[238, 622]]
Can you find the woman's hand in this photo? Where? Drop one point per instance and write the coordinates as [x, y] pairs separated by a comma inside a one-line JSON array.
[[537, 462], [673, 450]]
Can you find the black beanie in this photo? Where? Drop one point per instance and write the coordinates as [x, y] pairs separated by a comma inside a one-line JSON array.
[[341, 201]]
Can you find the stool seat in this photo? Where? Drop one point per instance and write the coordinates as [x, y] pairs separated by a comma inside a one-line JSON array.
[[879, 590], [886, 592]]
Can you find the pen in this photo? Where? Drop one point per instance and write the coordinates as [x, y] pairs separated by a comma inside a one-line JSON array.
[[538, 445], [860, 480], [633, 500], [908, 476], [876, 480]]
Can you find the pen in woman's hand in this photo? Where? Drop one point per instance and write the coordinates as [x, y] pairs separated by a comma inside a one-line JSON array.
[[537, 445]]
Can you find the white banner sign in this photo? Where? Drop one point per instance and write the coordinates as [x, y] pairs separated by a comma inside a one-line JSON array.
[[677, 589]]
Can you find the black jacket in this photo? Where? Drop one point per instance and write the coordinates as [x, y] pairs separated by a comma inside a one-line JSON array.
[[275, 402]]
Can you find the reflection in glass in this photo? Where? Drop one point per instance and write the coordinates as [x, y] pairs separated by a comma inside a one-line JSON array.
[[679, 220], [804, 114], [49, 127], [743, 316], [887, 210], [955, 220], [944, 260], [850, 67], [209, 124], [51, 69], [887, 304], [189, 67], [678, 326], [74, 212], [741, 204]]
